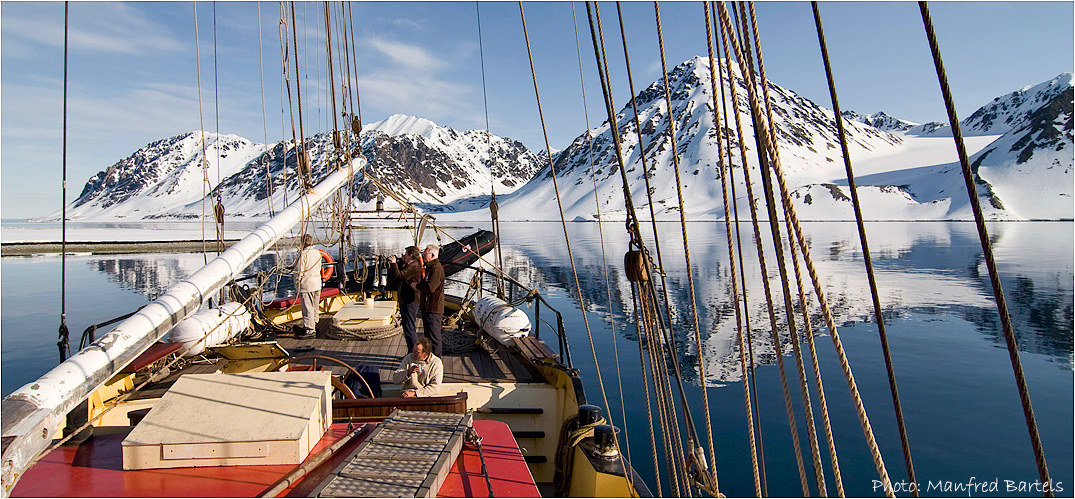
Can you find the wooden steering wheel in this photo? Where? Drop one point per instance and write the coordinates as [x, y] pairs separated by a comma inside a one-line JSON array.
[[336, 382]]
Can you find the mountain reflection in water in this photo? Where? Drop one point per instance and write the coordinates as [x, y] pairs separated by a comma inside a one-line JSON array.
[[962, 410]]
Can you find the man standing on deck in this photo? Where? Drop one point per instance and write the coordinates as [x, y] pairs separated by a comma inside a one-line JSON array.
[[420, 371], [308, 285], [407, 296], [432, 301]]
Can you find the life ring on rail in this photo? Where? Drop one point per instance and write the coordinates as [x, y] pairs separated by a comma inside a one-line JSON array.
[[326, 272]]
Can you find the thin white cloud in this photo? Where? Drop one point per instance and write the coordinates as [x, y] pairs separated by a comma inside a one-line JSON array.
[[408, 23], [104, 27], [413, 57]]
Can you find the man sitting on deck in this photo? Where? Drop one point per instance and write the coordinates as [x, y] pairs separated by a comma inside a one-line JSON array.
[[420, 371]]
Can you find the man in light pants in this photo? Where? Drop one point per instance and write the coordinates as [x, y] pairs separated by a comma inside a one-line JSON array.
[[308, 285]]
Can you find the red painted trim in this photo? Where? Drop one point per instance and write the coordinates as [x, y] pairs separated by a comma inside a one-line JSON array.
[[151, 355], [95, 469]]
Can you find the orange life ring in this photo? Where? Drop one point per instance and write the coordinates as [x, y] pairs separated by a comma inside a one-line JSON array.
[[326, 272]]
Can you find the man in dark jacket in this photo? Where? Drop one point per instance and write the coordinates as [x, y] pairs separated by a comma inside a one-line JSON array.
[[432, 297], [407, 296]]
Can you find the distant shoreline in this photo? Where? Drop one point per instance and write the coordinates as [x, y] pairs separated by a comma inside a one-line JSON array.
[[114, 247]]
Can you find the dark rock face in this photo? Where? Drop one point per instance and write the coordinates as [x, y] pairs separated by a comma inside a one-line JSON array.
[[1042, 131]]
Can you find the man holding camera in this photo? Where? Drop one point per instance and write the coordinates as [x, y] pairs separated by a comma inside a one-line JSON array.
[[420, 371], [408, 275], [432, 297]]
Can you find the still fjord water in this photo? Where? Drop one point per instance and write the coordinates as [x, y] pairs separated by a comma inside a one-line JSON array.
[[962, 410]]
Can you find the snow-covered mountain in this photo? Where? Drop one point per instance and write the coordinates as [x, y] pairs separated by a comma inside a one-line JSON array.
[[1029, 168], [431, 166], [806, 133], [1021, 147], [880, 121]]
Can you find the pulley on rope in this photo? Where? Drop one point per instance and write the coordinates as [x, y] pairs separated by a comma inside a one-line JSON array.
[[218, 210], [634, 264], [356, 125]]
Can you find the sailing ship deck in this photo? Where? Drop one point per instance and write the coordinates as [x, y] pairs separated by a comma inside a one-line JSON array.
[[478, 365]]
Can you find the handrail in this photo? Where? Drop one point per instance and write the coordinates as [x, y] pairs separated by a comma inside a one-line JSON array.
[[561, 331]]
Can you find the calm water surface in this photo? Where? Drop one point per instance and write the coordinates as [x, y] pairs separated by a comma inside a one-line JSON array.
[[958, 393]]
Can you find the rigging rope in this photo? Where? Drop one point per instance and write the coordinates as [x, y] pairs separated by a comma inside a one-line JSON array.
[[494, 207], [559, 204], [669, 424], [269, 188], [768, 129], [601, 233], [818, 289], [303, 156], [987, 250], [671, 129], [726, 67], [713, 81], [867, 259], [201, 131], [64, 343], [792, 423]]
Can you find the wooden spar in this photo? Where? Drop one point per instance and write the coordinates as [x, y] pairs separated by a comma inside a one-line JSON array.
[[30, 416]]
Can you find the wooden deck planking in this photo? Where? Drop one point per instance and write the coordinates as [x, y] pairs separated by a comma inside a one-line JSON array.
[[385, 354]]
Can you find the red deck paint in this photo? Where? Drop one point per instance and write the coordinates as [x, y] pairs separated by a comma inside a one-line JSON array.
[[95, 469]]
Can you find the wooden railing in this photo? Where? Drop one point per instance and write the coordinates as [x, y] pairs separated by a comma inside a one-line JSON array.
[[344, 410]]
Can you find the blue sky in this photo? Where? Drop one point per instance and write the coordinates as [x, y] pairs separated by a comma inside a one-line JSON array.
[[133, 69]]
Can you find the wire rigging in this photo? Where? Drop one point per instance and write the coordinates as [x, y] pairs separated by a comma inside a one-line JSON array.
[[987, 250], [64, 343]]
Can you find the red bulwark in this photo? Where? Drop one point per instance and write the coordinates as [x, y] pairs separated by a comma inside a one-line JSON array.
[[95, 469]]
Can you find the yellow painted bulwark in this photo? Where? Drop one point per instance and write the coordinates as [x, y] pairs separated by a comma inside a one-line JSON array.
[[588, 482]]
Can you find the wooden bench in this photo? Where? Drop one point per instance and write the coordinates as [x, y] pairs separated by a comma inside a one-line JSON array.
[[534, 349], [344, 410]]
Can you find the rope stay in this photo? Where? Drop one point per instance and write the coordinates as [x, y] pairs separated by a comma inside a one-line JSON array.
[[64, 333], [709, 475], [656, 238], [601, 234], [818, 289], [494, 207], [987, 250], [559, 204], [766, 157], [651, 317], [867, 259], [713, 80], [727, 33]]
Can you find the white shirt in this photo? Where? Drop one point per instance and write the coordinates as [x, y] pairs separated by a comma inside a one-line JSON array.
[[308, 268]]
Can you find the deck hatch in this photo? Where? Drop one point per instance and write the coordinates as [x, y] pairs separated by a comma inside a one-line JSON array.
[[407, 455], [233, 419]]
